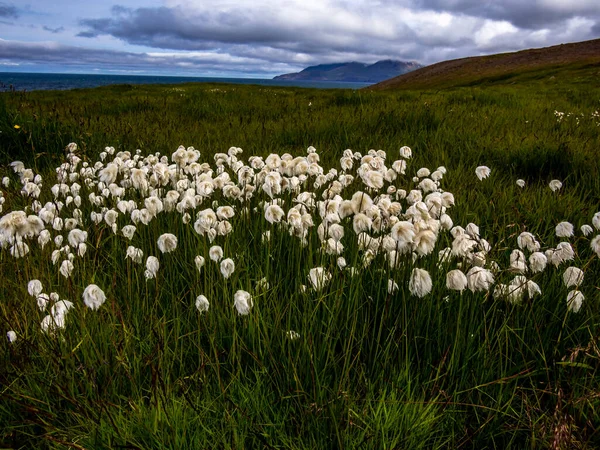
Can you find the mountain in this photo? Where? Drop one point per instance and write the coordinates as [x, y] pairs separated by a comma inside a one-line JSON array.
[[576, 61], [352, 71]]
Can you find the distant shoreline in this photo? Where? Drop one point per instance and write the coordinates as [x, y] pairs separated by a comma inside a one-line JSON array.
[[53, 81]]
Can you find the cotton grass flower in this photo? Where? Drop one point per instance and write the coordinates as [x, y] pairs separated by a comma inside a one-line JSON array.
[[555, 185], [420, 283], [227, 267], [11, 336], [575, 300], [202, 304], [573, 276], [537, 262], [34, 288], [595, 245], [564, 229], [135, 254], [586, 230], [152, 266], [521, 183], [199, 261], [243, 302], [93, 297], [215, 253], [482, 172], [167, 242], [318, 278], [479, 279], [456, 280], [66, 268]]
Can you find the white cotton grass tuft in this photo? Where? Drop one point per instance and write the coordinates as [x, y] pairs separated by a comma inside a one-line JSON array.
[[521, 183], [11, 336], [456, 280], [167, 242], [199, 261], [34, 288], [243, 302], [292, 335], [93, 297], [420, 283], [215, 253], [318, 278], [564, 229], [572, 276], [586, 230], [575, 300], [392, 286], [537, 262], [555, 185], [595, 245], [479, 279], [227, 267], [202, 304], [482, 172], [596, 220], [152, 266]]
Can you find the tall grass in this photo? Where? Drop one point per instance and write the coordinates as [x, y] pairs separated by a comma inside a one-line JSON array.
[[371, 369]]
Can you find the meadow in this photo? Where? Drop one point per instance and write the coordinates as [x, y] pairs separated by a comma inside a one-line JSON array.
[[218, 266]]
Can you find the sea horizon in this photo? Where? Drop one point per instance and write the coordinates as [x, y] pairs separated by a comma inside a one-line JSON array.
[[35, 81]]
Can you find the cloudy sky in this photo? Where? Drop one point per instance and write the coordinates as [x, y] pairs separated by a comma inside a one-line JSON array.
[[263, 38]]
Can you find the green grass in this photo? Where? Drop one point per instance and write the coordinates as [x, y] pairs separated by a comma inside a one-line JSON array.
[[370, 369]]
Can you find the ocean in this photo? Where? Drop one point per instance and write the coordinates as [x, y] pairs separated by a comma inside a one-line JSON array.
[[60, 81]]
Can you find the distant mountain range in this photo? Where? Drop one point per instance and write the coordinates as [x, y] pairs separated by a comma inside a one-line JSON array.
[[356, 72]]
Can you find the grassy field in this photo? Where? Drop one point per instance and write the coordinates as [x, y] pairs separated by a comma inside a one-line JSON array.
[[327, 358]]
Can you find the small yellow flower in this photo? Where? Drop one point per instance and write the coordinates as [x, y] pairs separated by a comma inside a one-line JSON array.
[[17, 127]]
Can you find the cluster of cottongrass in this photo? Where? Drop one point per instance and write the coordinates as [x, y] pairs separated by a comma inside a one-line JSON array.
[[388, 214]]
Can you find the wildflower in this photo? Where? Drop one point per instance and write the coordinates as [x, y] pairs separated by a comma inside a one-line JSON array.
[[574, 300], [318, 277], [341, 262], [76, 237], [456, 280], [392, 286], [405, 152], [152, 266], [167, 242], [517, 261], [202, 304], [215, 253], [586, 230], [573, 276], [537, 262], [66, 268], [479, 279], [420, 283], [521, 183], [51, 324], [227, 267], [564, 229], [34, 287], [11, 336], [274, 213], [555, 185], [596, 220], [93, 297], [482, 172], [527, 240], [292, 335], [135, 254], [199, 261], [42, 301], [128, 231], [361, 222], [595, 245], [243, 302]]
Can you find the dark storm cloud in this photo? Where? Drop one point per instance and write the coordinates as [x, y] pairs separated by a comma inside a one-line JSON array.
[[423, 30], [527, 14], [8, 11]]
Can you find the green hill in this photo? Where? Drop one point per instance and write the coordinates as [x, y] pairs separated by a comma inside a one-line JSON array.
[[576, 62]]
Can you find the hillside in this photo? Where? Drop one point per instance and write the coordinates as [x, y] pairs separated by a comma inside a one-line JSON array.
[[352, 71], [570, 60]]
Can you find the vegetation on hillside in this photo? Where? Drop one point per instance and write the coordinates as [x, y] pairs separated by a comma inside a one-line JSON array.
[[271, 340]]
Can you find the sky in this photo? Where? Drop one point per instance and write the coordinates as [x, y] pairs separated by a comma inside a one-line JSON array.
[[264, 38]]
